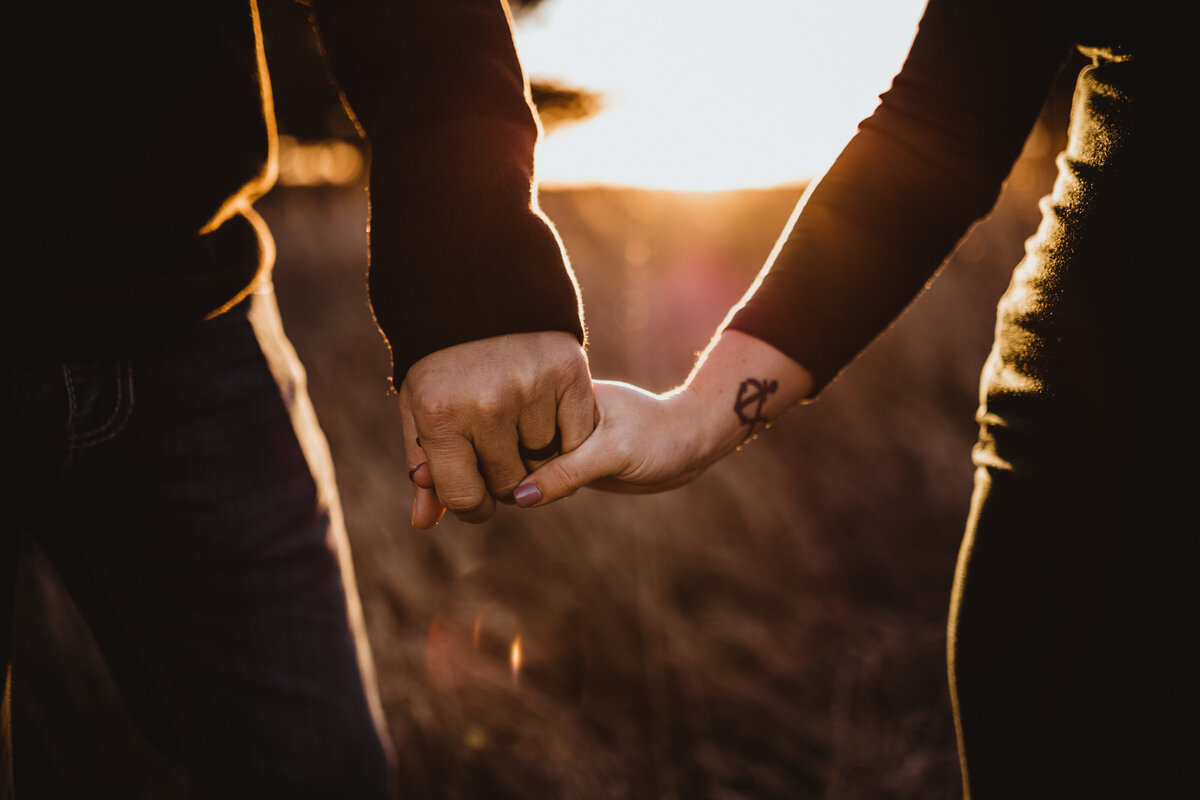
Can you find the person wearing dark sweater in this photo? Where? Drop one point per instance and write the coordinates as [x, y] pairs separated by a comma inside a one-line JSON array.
[[158, 442], [1076, 591]]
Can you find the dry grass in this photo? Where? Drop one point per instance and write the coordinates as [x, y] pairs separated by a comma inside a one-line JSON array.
[[773, 630]]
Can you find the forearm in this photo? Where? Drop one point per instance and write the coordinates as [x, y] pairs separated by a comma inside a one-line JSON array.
[[739, 386], [459, 250], [922, 169]]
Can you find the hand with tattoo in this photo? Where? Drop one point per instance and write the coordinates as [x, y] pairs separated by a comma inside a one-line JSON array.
[[646, 442]]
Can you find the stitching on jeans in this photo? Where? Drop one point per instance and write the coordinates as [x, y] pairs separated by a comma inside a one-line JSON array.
[[70, 403], [122, 411], [69, 454], [102, 432], [115, 411]]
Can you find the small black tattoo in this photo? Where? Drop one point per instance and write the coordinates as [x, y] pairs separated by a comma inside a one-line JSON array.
[[753, 393]]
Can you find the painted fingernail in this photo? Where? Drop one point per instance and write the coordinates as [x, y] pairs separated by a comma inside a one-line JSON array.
[[527, 495]]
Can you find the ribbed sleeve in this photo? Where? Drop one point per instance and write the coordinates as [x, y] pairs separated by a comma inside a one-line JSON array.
[[458, 250]]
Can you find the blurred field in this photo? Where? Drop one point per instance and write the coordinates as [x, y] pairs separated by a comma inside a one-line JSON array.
[[773, 630]]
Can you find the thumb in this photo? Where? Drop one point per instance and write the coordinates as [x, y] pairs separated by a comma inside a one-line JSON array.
[[563, 476]]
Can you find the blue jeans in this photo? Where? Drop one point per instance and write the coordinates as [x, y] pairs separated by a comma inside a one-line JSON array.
[[186, 497]]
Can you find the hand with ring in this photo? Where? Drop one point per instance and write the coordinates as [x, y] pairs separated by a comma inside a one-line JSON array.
[[479, 416]]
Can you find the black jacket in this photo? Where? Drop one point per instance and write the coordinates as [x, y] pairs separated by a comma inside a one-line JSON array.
[[141, 132]]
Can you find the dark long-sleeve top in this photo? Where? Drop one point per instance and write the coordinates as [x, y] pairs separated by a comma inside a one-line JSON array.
[[141, 133], [932, 158]]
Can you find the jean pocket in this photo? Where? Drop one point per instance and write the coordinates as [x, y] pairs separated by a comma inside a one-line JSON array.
[[100, 401]]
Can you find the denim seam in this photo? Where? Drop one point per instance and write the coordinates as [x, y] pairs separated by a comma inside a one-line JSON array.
[[116, 410], [69, 455], [122, 411]]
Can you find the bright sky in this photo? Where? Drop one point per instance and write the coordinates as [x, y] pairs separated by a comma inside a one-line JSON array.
[[703, 95]]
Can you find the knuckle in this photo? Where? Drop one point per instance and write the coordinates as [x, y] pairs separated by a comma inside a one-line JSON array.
[[502, 476], [531, 382], [526, 374], [506, 485], [461, 503], [569, 372], [476, 515], [577, 392], [498, 477], [438, 441], [566, 476], [490, 403], [433, 403]]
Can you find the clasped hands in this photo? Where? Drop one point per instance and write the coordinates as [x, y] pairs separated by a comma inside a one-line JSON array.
[[471, 411], [468, 410]]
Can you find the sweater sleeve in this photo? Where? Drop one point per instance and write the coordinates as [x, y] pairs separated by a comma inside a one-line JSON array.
[[459, 250], [922, 168]]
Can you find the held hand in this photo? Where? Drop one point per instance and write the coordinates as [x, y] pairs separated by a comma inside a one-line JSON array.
[[472, 405], [642, 443], [648, 443]]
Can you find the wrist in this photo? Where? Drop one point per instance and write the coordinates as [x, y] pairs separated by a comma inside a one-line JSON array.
[[739, 387], [707, 427]]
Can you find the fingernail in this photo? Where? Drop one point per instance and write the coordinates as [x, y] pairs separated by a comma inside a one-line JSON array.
[[527, 495], [413, 471]]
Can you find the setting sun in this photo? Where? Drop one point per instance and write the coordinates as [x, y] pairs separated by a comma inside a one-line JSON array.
[[711, 95]]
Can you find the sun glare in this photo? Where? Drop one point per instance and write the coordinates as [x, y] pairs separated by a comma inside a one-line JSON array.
[[706, 95]]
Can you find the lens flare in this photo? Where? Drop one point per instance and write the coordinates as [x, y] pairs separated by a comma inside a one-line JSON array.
[[514, 657]]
